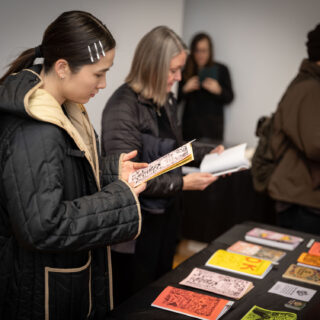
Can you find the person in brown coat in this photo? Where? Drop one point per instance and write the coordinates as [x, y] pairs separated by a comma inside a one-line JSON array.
[[295, 182]]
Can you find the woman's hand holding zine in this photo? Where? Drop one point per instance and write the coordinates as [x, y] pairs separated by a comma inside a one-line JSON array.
[[220, 163], [168, 162], [230, 160]]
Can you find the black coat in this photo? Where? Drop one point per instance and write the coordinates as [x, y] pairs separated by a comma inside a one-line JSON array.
[[55, 224], [129, 122], [203, 115]]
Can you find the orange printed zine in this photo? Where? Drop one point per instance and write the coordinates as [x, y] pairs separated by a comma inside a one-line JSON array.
[[192, 304]]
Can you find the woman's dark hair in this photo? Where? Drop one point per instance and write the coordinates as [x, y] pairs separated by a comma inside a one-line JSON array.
[[67, 37], [191, 67]]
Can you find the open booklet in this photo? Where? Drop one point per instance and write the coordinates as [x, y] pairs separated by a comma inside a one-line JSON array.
[[168, 162], [230, 160]]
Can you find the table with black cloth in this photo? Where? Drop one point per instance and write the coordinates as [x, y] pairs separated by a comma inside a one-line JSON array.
[[138, 307], [228, 201]]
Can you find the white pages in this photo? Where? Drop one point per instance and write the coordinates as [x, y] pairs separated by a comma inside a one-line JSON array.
[[230, 160]]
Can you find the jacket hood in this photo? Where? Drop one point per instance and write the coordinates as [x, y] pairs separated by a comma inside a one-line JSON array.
[[21, 95], [16, 90], [309, 68]]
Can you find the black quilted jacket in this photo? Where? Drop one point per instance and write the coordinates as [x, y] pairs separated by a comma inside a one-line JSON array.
[[129, 122], [55, 224]]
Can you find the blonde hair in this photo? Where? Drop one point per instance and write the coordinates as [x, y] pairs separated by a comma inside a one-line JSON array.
[[148, 75]]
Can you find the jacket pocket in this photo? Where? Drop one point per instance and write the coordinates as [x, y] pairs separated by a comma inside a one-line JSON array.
[[68, 292]]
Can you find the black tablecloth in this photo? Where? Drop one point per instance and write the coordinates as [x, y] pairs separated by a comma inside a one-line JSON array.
[[138, 306], [226, 202]]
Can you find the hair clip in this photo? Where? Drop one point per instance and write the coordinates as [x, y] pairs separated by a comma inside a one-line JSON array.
[[95, 46], [91, 57], [102, 48]]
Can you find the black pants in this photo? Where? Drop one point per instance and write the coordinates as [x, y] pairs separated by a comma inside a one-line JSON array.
[[300, 218], [153, 257]]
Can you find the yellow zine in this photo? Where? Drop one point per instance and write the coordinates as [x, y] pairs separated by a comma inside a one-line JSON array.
[[239, 263], [166, 163]]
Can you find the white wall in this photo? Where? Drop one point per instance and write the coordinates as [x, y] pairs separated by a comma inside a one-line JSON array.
[[22, 24], [262, 43]]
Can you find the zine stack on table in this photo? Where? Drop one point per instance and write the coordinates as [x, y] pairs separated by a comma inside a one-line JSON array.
[[253, 271]]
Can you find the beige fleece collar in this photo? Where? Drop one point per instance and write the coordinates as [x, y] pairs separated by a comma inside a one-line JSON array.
[[40, 105]]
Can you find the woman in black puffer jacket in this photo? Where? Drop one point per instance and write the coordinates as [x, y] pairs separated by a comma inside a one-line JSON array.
[[57, 218], [141, 115]]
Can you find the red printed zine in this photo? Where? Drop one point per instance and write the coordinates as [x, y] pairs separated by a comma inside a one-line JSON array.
[[315, 249], [192, 304]]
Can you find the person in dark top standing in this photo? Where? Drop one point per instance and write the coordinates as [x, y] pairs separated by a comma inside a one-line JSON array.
[[141, 115], [204, 90]]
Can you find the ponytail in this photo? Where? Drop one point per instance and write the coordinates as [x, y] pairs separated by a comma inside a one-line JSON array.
[[68, 37], [25, 60]]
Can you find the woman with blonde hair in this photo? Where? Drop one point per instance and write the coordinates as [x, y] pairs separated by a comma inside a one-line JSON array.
[[57, 216], [141, 115]]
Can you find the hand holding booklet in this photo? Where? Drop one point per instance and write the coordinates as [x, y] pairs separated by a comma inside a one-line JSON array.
[[169, 161], [230, 160]]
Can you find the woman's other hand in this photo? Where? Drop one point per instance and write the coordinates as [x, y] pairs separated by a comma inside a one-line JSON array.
[[212, 86], [198, 181], [219, 149], [191, 85]]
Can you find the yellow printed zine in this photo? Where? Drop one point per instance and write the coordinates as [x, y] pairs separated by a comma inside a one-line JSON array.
[[168, 162], [238, 263]]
